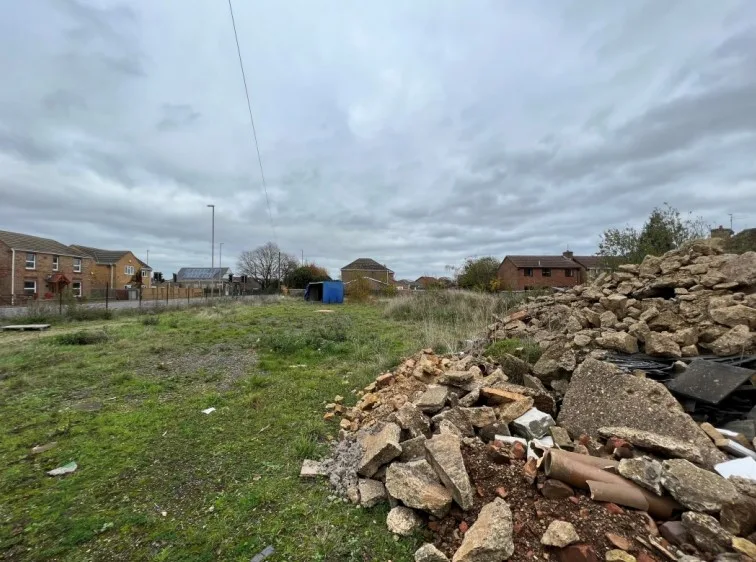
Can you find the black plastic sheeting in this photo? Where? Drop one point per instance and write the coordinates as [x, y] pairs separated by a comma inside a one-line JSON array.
[[712, 391]]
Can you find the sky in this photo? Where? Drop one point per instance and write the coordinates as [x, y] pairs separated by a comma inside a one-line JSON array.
[[414, 133]]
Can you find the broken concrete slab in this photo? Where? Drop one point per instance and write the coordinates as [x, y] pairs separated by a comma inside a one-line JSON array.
[[412, 420], [600, 395], [696, 488], [312, 469], [412, 449], [445, 456], [459, 379], [490, 537], [561, 438], [709, 381], [379, 447], [533, 424], [372, 492], [644, 471], [413, 487], [706, 532], [403, 521], [556, 362], [560, 534], [480, 416], [457, 418], [507, 413], [655, 442], [433, 399], [736, 340]]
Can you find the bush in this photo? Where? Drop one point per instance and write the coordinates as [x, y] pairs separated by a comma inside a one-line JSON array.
[[150, 320], [81, 338], [359, 290]]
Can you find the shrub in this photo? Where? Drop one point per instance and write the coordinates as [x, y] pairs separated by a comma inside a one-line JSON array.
[[81, 338], [359, 290], [150, 320]]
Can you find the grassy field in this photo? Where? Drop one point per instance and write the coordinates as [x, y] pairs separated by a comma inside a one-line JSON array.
[[157, 479]]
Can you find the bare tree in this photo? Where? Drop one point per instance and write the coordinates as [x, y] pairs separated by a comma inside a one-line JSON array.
[[266, 264]]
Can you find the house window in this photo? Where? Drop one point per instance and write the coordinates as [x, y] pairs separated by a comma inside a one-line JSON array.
[[129, 270], [546, 272], [145, 273], [528, 272], [31, 261], [30, 287], [569, 273], [76, 288], [56, 263], [77, 265]]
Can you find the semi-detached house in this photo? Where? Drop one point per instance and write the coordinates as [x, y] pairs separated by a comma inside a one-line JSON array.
[[117, 269]]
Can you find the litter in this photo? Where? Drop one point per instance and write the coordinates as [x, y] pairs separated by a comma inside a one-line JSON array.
[[735, 448], [267, 551], [208, 410], [65, 469], [745, 467]]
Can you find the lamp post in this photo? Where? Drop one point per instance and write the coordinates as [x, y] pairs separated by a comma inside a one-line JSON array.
[[220, 267], [212, 251]]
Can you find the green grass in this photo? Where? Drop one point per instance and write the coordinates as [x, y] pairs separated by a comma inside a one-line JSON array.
[[527, 350], [127, 409]]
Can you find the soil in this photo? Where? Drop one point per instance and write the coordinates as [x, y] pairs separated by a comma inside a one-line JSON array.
[[532, 513]]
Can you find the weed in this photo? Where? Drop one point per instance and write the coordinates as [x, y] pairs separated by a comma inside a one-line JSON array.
[[527, 350], [81, 338], [305, 446], [150, 320]]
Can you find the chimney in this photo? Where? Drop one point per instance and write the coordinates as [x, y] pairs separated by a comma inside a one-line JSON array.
[[568, 254]]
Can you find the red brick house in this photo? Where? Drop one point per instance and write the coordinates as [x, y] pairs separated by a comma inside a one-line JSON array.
[[35, 268], [520, 273], [366, 267]]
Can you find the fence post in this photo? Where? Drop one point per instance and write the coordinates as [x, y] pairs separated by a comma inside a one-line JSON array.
[[107, 294], [60, 301], [166, 296], [187, 296], [140, 298]]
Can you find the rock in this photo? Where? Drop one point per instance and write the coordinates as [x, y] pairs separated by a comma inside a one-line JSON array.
[[744, 547], [735, 315], [384, 380], [403, 521], [372, 492], [560, 534], [654, 442], [311, 469], [619, 541], [556, 490], [618, 555], [600, 395], [644, 471], [618, 341], [649, 314], [489, 432], [490, 537], [593, 317], [555, 363], [446, 427], [665, 321], [659, 345], [379, 448], [457, 378], [741, 269], [456, 417], [470, 399], [696, 488], [533, 424], [412, 420], [412, 449], [689, 351], [413, 487], [745, 486], [514, 367], [480, 416], [507, 413], [581, 339], [735, 340], [616, 303], [639, 330], [747, 428], [429, 553], [445, 456], [674, 532], [433, 399], [706, 532], [685, 337], [608, 319], [578, 553], [739, 516], [561, 438]]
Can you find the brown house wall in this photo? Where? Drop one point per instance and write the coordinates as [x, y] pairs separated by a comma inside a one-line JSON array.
[[513, 278], [102, 274], [379, 274]]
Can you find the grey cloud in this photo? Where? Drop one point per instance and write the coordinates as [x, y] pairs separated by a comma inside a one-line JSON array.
[[176, 116]]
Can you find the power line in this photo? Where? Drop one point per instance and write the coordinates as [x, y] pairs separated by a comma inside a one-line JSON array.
[[252, 119]]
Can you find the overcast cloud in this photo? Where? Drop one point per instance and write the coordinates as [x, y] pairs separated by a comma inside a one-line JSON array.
[[416, 133]]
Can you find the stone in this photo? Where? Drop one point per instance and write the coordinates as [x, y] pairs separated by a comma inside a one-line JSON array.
[[739, 516], [345, 424], [470, 399], [618, 555], [578, 553], [311, 469], [582, 339], [480, 416], [457, 378], [685, 336], [616, 303], [372, 492], [600, 395], [593, 317], [507, 413], [744, 546], [414, 488], [490, 537], [513, 367], [659, 345], [689, 351], [649, 314], [412, 420], [735, 315], [674, 532], [560, 534], [665, 321], [433, 399], [561, 438], [639, 330], [644, 471], [706, 532], [556, 490], [696, 488], [736, 340], [412, 449], [429, 553], [747, 428], [711, 431], [741, 269], [379, 448], [608, 319], [555, 363], [456, 417], [533, 424], [618, 341], [444, 454], [663, 444], [489, 432], [447, 427], [384, 380], [403, 521], [497, 396], [619, 541]]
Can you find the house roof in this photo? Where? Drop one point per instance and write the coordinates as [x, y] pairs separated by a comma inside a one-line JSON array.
[[426, 279], [201, 273], [553, 262], [590, 262], [26, 242], [107, 257], [367, 278], [366, 264]]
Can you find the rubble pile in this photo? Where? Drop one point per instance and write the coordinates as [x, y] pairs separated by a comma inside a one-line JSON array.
[[572, 458]]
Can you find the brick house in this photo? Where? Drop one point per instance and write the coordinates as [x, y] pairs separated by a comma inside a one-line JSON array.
[[520, 273], [427, 282], [118, 269], [593, 266], [37, 268], [366, 267]]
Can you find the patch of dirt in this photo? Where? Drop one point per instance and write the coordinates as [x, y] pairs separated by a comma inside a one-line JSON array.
[[532, 513], [228, 363]]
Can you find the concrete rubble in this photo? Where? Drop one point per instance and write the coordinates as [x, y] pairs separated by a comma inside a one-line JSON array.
[[458, 445]]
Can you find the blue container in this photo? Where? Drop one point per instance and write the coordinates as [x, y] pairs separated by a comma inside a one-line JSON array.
[[327, 292]]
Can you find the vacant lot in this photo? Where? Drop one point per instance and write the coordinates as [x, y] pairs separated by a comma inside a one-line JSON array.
[[158, 479]]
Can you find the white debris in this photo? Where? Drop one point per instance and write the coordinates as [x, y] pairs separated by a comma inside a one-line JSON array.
[[208, 410], [65, 469], [745, 467]]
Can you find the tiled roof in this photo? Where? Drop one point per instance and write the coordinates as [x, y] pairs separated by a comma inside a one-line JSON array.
[[202, 273], [25, 242], [107, 257], [554, 262], [590, 262], [366, 264]]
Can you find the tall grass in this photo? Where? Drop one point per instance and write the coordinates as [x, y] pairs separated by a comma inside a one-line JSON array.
[[450, 317]]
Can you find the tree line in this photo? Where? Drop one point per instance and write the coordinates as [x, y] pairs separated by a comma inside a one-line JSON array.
[[271, 267]]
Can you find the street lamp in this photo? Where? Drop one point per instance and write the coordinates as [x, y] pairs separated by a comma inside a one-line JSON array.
[[212, 251]]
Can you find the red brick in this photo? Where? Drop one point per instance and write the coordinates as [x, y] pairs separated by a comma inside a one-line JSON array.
[[578, 553]]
